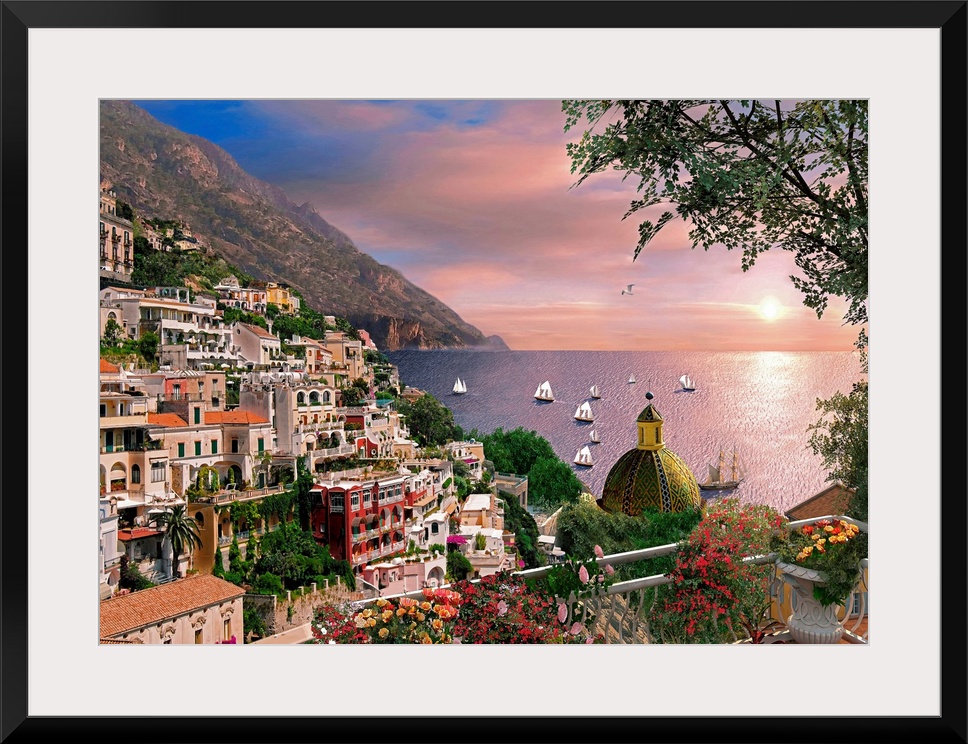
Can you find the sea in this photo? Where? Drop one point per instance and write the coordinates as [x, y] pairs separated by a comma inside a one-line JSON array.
[[758, 404]]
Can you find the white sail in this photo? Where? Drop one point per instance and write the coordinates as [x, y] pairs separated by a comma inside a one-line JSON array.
[[713, 473], [632, 378], [544, 391], [584, 457], [594, 392], [460, 387], [687, 383], [593, 435], [584, 412]]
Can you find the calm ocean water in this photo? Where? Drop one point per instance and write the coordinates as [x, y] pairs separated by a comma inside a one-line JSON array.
[[758, 403]]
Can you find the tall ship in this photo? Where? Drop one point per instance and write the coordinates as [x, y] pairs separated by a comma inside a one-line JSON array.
[[460, 387], [725, 473]]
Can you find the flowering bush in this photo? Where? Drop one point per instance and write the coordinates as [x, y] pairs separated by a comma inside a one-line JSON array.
[[503, 608], [500, 608], [405, 620], [714, 593], [833, 548]]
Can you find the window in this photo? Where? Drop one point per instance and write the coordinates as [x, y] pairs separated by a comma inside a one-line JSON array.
[[136, 474], [181, 449], [262, 444], [235, 445], [435, 528], [355, 501], [198, 636], [226, 630], [214, 446], [198, 447], [336, 502], [158, 471], [104, 410], [366, 497], [198, 415]]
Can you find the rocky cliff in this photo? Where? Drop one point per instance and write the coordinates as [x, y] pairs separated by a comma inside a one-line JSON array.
[[165, 173]]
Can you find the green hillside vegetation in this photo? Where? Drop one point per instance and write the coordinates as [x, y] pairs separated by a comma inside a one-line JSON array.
[[203, 271], [584, 525], [551, 482]]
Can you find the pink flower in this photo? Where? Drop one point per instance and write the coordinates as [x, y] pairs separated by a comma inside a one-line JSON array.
[[583, 575], [562, 612], [520, 563], [609, 570], [590, 639], [599, 553], [576, 629], [502, 608]]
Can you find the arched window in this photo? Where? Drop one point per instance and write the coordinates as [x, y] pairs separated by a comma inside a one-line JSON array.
[[326, 396], [136, 474], [301, 399], [200, 518]]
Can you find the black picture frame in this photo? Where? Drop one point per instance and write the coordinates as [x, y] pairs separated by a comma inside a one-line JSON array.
[[602, 723]]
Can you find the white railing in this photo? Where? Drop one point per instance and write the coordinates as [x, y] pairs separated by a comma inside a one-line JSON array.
[[621, 613]]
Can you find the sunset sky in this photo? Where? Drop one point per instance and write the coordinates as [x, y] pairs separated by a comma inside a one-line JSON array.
[[473, 202]]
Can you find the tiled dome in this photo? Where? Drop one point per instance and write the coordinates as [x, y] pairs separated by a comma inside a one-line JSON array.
[[650, 475]]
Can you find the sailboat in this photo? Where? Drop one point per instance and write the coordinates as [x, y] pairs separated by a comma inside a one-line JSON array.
[[721, 476], [687, 383], [584, 412], [544, 392], [631, 379], [594, 391], [584, 457], [593, 436], [460, 387]]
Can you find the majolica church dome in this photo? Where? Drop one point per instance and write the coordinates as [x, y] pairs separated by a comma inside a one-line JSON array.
[[650, 476]]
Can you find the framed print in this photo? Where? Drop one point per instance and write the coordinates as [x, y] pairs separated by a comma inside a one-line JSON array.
[[201, 68]]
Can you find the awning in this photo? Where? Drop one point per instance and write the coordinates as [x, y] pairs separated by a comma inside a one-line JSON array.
[[128, 504]]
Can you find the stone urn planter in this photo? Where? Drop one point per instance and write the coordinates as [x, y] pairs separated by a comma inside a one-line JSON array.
[[811, 622]]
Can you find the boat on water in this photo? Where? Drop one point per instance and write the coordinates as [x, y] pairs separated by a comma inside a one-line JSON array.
[[584, 457], [584, 412], [595, 392], [593, 436], [544, 392], [631, 379], [727, 472], [687, 384], [460, 387]]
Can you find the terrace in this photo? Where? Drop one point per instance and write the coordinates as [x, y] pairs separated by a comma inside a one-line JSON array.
[[620, 613]]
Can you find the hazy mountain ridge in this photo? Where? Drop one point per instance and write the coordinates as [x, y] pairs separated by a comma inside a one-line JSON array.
[[163, 172]]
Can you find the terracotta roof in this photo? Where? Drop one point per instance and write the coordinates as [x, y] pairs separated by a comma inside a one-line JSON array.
[[137, 533], [832, 500], [166, 419], [259, 331], [233, 417], [148, 606], [106, 366]]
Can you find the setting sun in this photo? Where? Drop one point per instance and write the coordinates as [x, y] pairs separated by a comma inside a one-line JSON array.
[[770, 308]]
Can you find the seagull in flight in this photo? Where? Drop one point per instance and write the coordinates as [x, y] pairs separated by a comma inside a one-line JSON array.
[[628, 290]]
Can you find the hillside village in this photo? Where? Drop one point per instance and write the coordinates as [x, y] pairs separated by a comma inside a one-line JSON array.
[[217, 429]]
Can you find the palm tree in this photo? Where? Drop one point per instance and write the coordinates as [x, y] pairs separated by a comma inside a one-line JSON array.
[[182, 532]]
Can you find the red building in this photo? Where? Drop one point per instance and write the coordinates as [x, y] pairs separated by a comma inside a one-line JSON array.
[[362, 519]]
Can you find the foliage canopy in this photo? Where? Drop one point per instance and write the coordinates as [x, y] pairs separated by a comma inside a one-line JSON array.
[[745, 174]]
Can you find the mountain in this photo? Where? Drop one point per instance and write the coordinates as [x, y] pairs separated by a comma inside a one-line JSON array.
[[165, 173]]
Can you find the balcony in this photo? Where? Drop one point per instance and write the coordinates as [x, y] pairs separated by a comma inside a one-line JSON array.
[[117, 422], [620, 614], [372, 555], [228, 495]]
